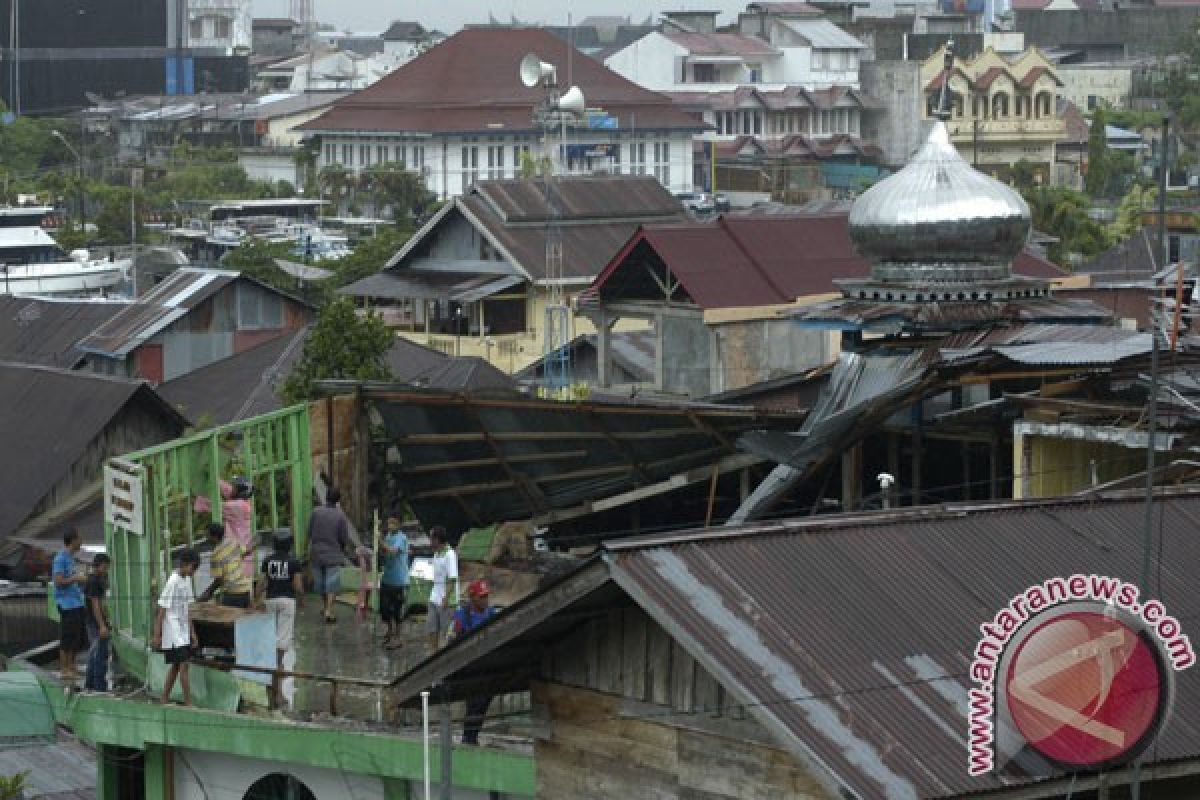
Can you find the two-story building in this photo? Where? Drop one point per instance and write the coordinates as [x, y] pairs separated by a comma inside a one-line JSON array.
[[1004, 109], [474, 280], [776, 92], [459, 113]]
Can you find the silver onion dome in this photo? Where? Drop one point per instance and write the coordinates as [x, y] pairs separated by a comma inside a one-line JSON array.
[[939, 219]]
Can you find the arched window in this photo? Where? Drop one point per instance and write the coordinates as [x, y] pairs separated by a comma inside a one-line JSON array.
[[999, 105], [1042, 104], [278, 786]]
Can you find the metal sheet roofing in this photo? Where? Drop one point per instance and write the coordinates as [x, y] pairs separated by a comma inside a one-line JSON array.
[[1058, 344], [182, 290], [45, 331], [41, 401], [64, 770], [823, 34], [470, 461], [468, 83], [722, 44], [754, 260], [849, 636]]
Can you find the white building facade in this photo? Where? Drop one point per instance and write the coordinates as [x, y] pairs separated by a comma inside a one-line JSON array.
[[225, 25]]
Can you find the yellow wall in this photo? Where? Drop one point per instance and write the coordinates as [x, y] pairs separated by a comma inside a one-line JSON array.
[[1059, 467], [513, 352]]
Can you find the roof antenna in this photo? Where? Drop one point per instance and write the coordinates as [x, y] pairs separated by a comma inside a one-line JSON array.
[[943, 111]]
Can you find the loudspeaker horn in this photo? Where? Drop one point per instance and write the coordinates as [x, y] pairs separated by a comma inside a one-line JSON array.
[[535, 72], [572, 101]]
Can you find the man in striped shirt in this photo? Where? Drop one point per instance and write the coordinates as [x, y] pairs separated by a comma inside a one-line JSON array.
[[226, 569]]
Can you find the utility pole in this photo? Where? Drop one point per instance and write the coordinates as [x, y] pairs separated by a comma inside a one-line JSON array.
[[447, 748]]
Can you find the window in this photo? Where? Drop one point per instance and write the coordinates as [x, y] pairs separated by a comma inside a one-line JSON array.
[[224, 27], [1091, 102], [755, 72], [381, 154], [470, 165], [401, 155], [348, 155], [495, 161], [278, 786], [704, 73], [520, 153], [757, 120], [258, 309], [637, 158], [196, 29], [662, 162], [820, 59], [330, 153], [364, 155], [418, 157]]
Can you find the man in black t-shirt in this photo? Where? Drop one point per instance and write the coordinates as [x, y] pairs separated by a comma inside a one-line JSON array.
[[94, 594], [283, 584]]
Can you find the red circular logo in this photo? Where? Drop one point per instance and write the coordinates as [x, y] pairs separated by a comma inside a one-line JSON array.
[[1086, 690]]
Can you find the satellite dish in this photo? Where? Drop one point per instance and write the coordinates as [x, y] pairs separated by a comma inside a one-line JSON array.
[[572, 102], [534, 71]]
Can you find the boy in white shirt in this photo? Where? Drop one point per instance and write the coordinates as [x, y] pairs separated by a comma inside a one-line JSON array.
[[443, 595], [174, 633]]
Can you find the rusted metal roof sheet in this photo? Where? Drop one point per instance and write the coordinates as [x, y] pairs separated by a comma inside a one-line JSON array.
[[181, 291], [850, 636], [579, 198]]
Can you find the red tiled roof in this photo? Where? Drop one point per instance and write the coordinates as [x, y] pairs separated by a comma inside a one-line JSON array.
[[989, 77], [469, 83], [1029, 5], [719, 44], [758, 260], [1032, 76]]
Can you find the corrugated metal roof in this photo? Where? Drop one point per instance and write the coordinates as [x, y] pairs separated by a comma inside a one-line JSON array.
[[64, 770], [578, 198], [470, 461], [45, 331], [722, 44], [823, 34], [756, 260], [51, 416], [850, 636], [181, 291], [1056, 344]]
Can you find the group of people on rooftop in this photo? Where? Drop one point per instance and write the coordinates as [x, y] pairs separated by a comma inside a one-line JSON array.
[[277, 586]]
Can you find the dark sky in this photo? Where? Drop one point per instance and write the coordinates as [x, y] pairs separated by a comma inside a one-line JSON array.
[[450, 15]]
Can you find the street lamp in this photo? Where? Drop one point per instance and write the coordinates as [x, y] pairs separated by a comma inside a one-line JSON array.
[[82, 198]]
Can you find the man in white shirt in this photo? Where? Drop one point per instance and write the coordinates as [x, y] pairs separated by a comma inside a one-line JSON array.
[[443, 597], [174, 633]]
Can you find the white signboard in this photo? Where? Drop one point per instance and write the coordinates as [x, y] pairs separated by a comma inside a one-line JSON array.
[[123, 496]]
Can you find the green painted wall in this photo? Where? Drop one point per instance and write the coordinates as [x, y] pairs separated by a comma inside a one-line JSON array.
[[105, 720]]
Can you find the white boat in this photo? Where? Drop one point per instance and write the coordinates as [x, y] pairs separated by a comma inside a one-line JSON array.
[[31, 262]]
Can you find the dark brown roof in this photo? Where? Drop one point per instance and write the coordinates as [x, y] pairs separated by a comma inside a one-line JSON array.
[[469, 83], [41, 331], [849, 636], [402, 30], [1130, 260], [51, 417], [249, 384], [787, 8], [596, 216], [273, 22], [754, 260]]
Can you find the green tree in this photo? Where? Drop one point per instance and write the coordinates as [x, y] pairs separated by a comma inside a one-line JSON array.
[[1098, 172], [342, 346], [1139, 198], [335, 183], [369, 256], [12, 787], [1063, 213], [392, 186], [1024, 175]]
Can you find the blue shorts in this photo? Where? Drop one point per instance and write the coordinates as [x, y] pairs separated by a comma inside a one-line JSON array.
[[327, 580]]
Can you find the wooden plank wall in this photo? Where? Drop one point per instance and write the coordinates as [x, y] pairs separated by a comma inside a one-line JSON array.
[[630, 713], [596, 749]]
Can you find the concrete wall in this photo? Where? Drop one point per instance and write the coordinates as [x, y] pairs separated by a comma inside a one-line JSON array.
[[650, 62], [759, 350], [273, 167], [1106, 35], [685, 354], [899, 130], [1086, 86]]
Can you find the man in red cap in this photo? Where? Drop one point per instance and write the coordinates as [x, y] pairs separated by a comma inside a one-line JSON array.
[[476, 613]]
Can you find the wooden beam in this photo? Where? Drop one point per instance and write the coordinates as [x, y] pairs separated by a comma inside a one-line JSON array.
[[459, 491], [529, 490], [514, 622], [541, 436], [524, 458]]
